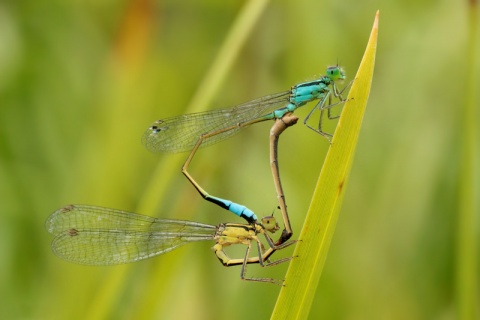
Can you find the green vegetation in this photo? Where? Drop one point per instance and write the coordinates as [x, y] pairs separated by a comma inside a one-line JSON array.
[[295, 299], [81, 81]]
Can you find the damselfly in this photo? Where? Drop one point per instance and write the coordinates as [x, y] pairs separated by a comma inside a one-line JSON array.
[[102, 236], [191, 131]]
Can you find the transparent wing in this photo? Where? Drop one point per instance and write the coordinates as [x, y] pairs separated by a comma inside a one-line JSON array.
[[102, 236], [180, 133]]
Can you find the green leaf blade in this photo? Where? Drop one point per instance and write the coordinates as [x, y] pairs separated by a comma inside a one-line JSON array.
[[295, 298]]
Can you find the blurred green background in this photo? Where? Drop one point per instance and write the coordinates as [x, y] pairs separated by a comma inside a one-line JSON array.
[[82, 80]]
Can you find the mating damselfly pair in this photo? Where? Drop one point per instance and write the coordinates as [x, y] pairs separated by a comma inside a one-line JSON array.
[[101, 236]]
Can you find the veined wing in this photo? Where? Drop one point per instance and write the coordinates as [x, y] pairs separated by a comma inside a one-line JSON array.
[[93, 217], [180, 133], [102, 236]]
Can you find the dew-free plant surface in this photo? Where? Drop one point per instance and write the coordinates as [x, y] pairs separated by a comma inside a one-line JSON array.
[[296, 296]]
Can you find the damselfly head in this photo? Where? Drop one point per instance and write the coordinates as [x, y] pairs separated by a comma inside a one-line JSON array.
[[335, 73], [270, 224]]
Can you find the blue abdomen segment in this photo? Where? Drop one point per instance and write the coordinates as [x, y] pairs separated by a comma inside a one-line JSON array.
[[279, 113], [238, 209], [308, 91], [301, 94]]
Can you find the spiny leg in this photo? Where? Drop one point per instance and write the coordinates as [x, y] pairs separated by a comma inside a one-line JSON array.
[[337, 94], [261, 258], [268, 253], [330, 105], [322, 107], [244, 268], [322, 111]]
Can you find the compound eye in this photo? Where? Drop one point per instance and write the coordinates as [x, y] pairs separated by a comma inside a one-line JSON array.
[[332, 71]]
